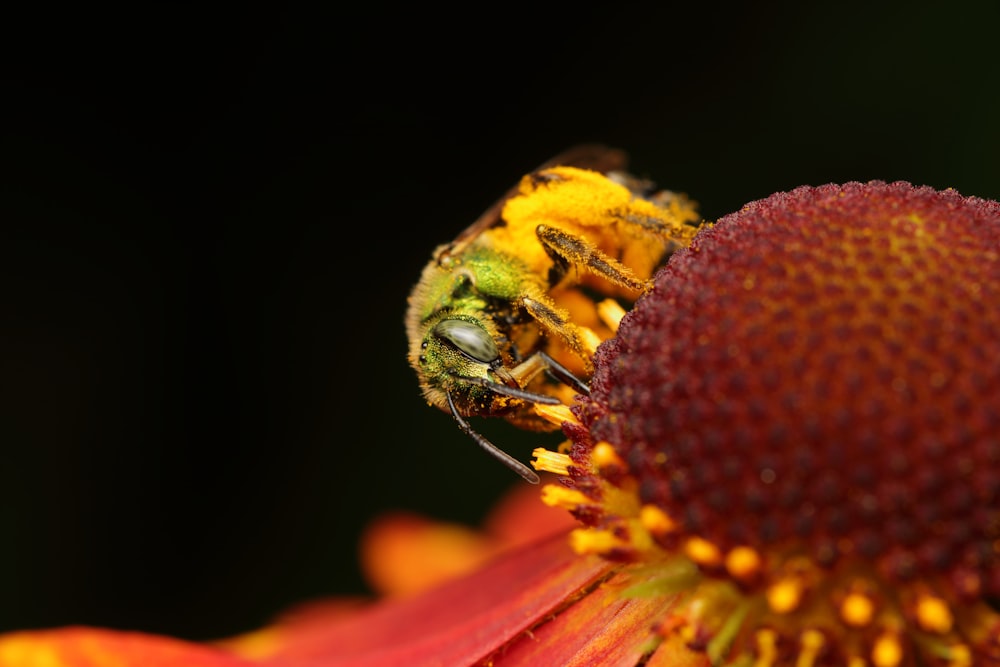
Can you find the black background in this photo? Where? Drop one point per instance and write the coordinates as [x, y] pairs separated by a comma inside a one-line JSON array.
[[211, 220]]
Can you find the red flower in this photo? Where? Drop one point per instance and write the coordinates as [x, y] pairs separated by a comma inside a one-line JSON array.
[[790, 456]]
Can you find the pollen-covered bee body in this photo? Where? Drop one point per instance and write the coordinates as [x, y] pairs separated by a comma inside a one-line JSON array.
[[507, 317]]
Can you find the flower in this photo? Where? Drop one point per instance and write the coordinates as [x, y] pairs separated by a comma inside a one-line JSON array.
[[790, 455], [798, 433]]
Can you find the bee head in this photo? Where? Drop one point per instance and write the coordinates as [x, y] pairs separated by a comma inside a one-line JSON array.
[[456, 347]]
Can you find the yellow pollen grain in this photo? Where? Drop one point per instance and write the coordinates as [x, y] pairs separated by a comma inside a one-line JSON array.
[[702, 552], [933, 614], [611, 313], [591, 541], [857, 610], [549, 461], [604, 456], [784, 595], [767, 648], [743, 563], [812, 643], [887, 652], [554, 495], [555, 414], [655, 520]]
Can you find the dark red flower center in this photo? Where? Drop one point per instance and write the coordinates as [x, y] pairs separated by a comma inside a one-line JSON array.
[[818, 377]]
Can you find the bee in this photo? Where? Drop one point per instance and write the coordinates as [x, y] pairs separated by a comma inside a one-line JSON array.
[[505, 319]]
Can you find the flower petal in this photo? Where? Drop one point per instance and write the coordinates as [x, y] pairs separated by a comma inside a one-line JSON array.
[[404, 553], [606, 628], [92, 647], [459, 623]]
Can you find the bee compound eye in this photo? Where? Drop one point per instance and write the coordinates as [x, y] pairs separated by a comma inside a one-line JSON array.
[[470, 339]]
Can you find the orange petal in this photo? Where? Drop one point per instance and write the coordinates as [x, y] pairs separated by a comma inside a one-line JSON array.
[[91, 647], [521, 517], [458, 623], [403, 553]]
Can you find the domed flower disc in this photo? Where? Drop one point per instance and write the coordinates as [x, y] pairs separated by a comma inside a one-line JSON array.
[[807, 409]]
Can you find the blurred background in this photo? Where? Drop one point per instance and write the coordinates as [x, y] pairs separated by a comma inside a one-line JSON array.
[[210, 221]]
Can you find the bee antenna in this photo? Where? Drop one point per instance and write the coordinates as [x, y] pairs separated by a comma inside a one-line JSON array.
[[524, 471]]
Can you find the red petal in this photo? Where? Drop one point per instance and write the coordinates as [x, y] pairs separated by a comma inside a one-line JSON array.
[[460, 623], [91, 647], [604, 628]]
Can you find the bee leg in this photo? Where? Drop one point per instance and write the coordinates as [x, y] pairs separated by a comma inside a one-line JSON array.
[[566, 249], [556, 322], [564, 375], [525, 371]]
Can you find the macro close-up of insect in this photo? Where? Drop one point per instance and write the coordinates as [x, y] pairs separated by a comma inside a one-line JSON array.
[[505, 318]]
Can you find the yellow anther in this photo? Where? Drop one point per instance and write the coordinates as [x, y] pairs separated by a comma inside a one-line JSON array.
[[812, 643], [554, 495], [784, 595], [743, 563], [604, 456], [590, 340], [767, 648], [591, 541], [611, 313], [554, 414], [655, 520], [702, 552], [887, 652], [933, 614], [857, 610], [549, 461]]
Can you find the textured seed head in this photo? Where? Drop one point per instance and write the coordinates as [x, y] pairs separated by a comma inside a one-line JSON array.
[[823, 368]]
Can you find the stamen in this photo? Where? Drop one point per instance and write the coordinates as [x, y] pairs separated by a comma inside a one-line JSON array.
[[888, 652], [702, 552], [933, 614], [605, 456], [656, 521], [812, 642], [611, 313], [554, 495], [857, 610], [767, 648], [785, 595], [590, 340], [589, 541], [554, 414], [549, 461], [743, 563]]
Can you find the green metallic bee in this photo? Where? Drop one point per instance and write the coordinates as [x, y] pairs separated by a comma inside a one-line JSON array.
[[506, 318]]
